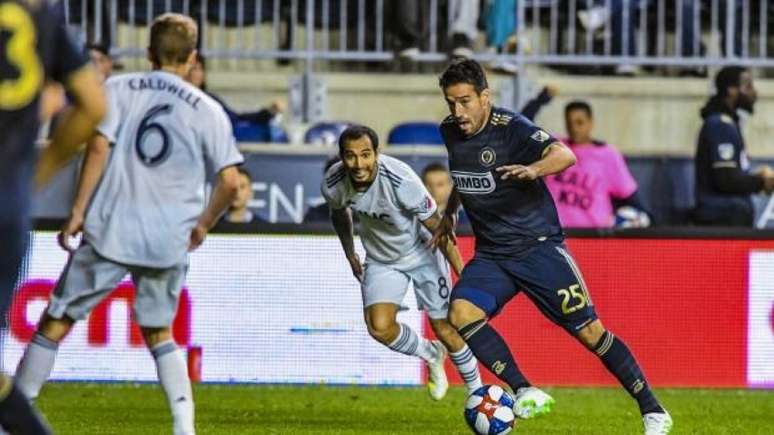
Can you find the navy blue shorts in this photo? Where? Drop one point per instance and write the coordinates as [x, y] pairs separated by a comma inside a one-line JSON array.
[[548, 276]]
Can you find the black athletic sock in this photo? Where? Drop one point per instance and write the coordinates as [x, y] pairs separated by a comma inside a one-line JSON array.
[[17, 415], [618, 359], [490, 348]]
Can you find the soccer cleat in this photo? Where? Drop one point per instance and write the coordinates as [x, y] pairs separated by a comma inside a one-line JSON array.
[[437, 384], [532, 402], [657, 423]]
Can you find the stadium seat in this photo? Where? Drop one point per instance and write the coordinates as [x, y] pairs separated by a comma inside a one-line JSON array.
[[325, 133], [415, 133], [245, 131]]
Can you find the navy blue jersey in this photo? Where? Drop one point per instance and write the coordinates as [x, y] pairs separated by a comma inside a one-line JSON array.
[[721, 148], [508, 216], [34, 47]]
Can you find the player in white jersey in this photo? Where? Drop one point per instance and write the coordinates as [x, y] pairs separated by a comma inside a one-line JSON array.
[[395, 212], [147, 210]]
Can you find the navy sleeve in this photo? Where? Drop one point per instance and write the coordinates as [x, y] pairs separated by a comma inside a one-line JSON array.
[[736, 181], [725, 150], [530, 139], [723, 142], [68, 56], [533, 106]]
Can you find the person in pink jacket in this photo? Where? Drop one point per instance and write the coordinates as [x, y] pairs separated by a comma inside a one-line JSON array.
[[588, 194]]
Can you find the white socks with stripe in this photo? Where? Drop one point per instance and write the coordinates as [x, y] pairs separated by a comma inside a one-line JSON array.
[[409, 343], [467, 365], [173, 377], [35, 368]]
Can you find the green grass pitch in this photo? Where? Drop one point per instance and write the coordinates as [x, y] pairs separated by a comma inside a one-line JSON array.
[[74, 408]]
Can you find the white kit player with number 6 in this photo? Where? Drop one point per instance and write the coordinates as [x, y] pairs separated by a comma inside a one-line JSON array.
[[147, 211], [395, 210]]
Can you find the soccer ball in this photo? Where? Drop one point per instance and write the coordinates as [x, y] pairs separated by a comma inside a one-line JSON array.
[[631, 217], [489, 411]]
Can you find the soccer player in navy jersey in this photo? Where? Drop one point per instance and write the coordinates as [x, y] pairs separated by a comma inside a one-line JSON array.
[[497, 160], [34, 47]]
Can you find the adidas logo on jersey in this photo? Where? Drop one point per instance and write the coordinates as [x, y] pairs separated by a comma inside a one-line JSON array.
[[473, 182], [500, 119]]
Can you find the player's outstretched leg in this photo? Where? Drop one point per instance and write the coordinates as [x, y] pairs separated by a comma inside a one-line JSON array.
[[173, 377], [490, 348], [39, 357], [620, 361], [17, 416], [381, 319], [459, 352]]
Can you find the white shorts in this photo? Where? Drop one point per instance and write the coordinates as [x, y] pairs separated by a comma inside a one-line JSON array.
[[88, 278], [390, 282]]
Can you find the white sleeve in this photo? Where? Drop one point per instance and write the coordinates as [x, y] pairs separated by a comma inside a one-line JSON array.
[[219, 144], [414, 197], [111, 123], [332, 195]]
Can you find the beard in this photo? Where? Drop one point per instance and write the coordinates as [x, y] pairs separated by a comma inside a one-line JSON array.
[[746, 104]]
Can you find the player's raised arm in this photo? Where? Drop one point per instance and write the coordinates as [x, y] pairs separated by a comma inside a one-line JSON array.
[[97, 153], [556, 158]]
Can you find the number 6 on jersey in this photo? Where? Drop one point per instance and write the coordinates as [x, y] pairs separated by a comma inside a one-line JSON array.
[[150, 152]]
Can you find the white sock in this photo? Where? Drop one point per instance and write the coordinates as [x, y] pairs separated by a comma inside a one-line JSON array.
[[36, 365], [409, 343], [467, 365], [173, 377]]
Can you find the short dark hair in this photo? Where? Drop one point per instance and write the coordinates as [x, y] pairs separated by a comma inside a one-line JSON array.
[[728, 77], [578, 105], [243, 171], [464, 71], [433, 167], [98, 46], [355, 132]]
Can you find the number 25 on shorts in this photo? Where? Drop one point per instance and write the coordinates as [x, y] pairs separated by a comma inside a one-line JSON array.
[[573, 299]]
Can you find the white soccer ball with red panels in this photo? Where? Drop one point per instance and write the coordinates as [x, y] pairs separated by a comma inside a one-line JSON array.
[[489, 411]]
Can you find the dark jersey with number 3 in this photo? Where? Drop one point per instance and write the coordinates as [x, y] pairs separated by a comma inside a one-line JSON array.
[[34, 47], [508, 217]]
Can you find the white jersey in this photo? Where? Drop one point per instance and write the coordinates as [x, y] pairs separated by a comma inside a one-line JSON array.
[[390, 211], [165, 133]]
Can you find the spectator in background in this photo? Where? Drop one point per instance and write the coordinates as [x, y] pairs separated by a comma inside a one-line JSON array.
[[588, 193], [501, 25], [437, 180], [272, 114], [624, 18], [102, 60], [464, 26], [404, 21], [321, 212], [239, 212], [691, 33], [724, 180]]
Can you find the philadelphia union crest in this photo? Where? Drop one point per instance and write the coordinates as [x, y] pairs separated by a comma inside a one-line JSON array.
[[487, 157]]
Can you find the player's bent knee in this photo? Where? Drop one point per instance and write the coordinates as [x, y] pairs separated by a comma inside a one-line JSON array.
[[382, 328], [154, 336], [591, 334], [55, 329], [462, 313]]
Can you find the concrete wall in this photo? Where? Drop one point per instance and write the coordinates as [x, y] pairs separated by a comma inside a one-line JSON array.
[[642, 116]]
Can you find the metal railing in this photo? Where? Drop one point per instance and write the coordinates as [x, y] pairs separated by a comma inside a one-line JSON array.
[[583, 32]]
